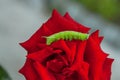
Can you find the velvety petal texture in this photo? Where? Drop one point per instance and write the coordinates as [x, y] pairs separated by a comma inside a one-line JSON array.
[[64, 59]]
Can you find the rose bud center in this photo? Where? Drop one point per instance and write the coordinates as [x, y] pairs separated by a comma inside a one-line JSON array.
[[57, 63]]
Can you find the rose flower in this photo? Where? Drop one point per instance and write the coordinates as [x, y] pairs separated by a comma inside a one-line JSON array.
[[65, 59]]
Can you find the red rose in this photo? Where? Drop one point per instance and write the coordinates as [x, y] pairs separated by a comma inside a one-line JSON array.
[[64, 59]]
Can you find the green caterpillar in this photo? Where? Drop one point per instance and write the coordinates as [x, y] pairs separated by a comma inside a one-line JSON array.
[[66, 35]]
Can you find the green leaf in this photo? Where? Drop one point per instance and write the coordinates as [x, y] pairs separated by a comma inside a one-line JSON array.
[[3, 74]]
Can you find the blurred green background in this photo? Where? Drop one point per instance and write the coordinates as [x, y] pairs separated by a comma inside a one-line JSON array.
[[19, 19], [109, 9]]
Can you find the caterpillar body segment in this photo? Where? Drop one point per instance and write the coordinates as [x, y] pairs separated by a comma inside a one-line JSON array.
[[66, 35]]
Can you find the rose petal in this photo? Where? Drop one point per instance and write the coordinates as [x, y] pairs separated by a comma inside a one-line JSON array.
[[55, 65], [73, 76], [80, 51], [41, 55], [96, 37], [83, 71], [59, 77], [79, 54], [41, 46], [94, 56], [95, 33], [100, 39], [79, 26], [38, 37], [43, 72], [106, 74], [60, 44], [59, 23], [72, 45], [28, 71], [79, 65]]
